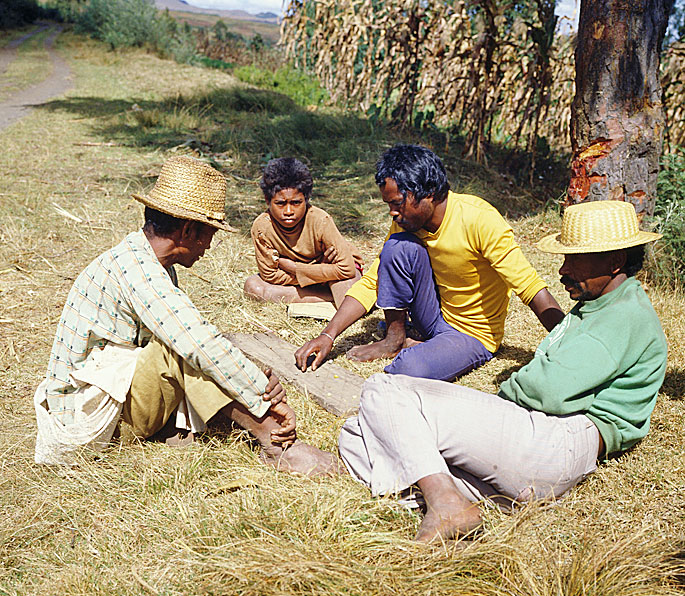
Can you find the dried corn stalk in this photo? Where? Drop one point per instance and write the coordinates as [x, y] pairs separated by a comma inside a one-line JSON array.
[[477, 67], [673, 85], [472, 65]]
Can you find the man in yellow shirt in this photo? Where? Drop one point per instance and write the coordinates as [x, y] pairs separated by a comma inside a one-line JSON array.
[[450, 261]]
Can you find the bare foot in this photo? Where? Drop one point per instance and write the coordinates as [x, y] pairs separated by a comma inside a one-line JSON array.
[[378, 349], [410, 343], [447, 521], [449, 514], [301, 459], [387, 347], [258, 289]]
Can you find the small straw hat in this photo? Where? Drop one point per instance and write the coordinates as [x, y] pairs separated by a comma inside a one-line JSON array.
[[189, 189], [597, 226]]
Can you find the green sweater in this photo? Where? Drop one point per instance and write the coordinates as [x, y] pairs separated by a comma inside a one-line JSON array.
[[605, 359]]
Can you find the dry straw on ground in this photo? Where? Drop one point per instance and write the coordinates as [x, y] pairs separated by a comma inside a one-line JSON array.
[[210, 519]]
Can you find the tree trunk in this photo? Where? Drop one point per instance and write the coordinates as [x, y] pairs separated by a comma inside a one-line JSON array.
[[617, 118]]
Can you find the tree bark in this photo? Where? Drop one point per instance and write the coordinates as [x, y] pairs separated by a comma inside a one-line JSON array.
[[617, 118]]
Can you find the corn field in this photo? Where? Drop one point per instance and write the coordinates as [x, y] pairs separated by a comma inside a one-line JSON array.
[[488, 70], [673, 84]]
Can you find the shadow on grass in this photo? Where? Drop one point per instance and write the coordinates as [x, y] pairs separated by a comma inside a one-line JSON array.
[[261, 123], [520, 355], [238, 130], [674, 384], [369, 333]]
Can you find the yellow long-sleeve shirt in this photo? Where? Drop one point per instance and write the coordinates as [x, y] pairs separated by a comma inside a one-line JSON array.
[[476, 263]]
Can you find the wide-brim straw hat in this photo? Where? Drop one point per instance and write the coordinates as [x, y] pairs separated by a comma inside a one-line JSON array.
[[598, 226], [188, 188]]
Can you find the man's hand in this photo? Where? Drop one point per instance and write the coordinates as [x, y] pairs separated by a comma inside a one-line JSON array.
[[321, 346], [349, 311], [287, 265], [285, 416], [330, 255], [274, 391]]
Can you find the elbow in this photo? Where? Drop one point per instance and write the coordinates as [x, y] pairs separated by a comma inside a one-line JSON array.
[[346, 270]]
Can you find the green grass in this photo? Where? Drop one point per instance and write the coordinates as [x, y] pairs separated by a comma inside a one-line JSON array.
[[30, 66], [304, 89], [210, 519], [668, 259], [12, 34]]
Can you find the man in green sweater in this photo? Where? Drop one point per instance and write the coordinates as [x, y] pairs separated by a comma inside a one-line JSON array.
[[587, 394]]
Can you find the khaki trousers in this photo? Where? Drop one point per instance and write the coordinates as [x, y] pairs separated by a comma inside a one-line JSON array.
[[160, 381], [409, 428]]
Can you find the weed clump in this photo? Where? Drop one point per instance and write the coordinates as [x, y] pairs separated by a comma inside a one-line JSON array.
[[132, 23], [667, 262], [303, 88]]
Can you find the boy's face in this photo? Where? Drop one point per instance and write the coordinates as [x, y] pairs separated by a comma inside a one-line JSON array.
[[288, 207]]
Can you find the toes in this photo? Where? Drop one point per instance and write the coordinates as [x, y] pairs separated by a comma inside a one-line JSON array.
[[303, 459]]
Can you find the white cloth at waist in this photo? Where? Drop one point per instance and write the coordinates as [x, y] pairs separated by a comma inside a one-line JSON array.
[[101, 387]]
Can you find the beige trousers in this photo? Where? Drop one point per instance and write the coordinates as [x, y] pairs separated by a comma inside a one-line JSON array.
[[409, 428], [161, 379]]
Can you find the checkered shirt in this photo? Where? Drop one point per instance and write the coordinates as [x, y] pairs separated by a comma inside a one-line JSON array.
[[122, 297]]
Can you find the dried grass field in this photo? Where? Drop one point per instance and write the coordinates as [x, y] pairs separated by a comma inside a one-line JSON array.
[[210, 519]]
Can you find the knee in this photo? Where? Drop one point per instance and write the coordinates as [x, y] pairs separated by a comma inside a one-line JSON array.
[[144, 427], [403, 244], [254, 287], [412, 364], [145, 414], [382, 392], [374, 394]]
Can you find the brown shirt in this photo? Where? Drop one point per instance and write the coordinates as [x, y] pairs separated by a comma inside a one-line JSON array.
[[305, 245]]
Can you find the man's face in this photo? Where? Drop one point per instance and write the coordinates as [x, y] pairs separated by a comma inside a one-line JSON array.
[[406, 213], [586, 276], [288, 207], [194, 243]]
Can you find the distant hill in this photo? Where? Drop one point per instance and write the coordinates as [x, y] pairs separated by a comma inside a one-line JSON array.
[[183, 6]]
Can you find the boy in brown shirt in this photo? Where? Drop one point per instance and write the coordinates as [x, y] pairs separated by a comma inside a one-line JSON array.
[[301, 255]]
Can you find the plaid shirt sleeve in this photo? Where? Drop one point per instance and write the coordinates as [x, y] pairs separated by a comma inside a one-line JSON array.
[[171, 316]]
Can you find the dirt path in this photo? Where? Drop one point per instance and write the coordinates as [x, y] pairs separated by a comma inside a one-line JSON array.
[[59, 80]]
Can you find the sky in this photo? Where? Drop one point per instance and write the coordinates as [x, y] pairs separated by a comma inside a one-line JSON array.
[[568, 8]]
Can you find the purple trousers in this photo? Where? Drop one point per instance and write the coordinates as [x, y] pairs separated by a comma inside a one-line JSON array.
[[405, 282]]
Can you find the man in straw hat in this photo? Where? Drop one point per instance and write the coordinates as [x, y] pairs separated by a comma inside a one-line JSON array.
[[587, 394], [131, 345]]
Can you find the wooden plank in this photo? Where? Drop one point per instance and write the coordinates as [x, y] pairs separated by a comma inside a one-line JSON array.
[[334, 388]]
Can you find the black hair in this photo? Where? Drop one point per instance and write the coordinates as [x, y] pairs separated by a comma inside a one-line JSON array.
[[415, 170], [635, 256], [286, 172], [161, 224]]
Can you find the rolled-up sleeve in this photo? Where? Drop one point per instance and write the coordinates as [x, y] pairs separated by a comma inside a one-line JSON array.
[[171, 316]]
